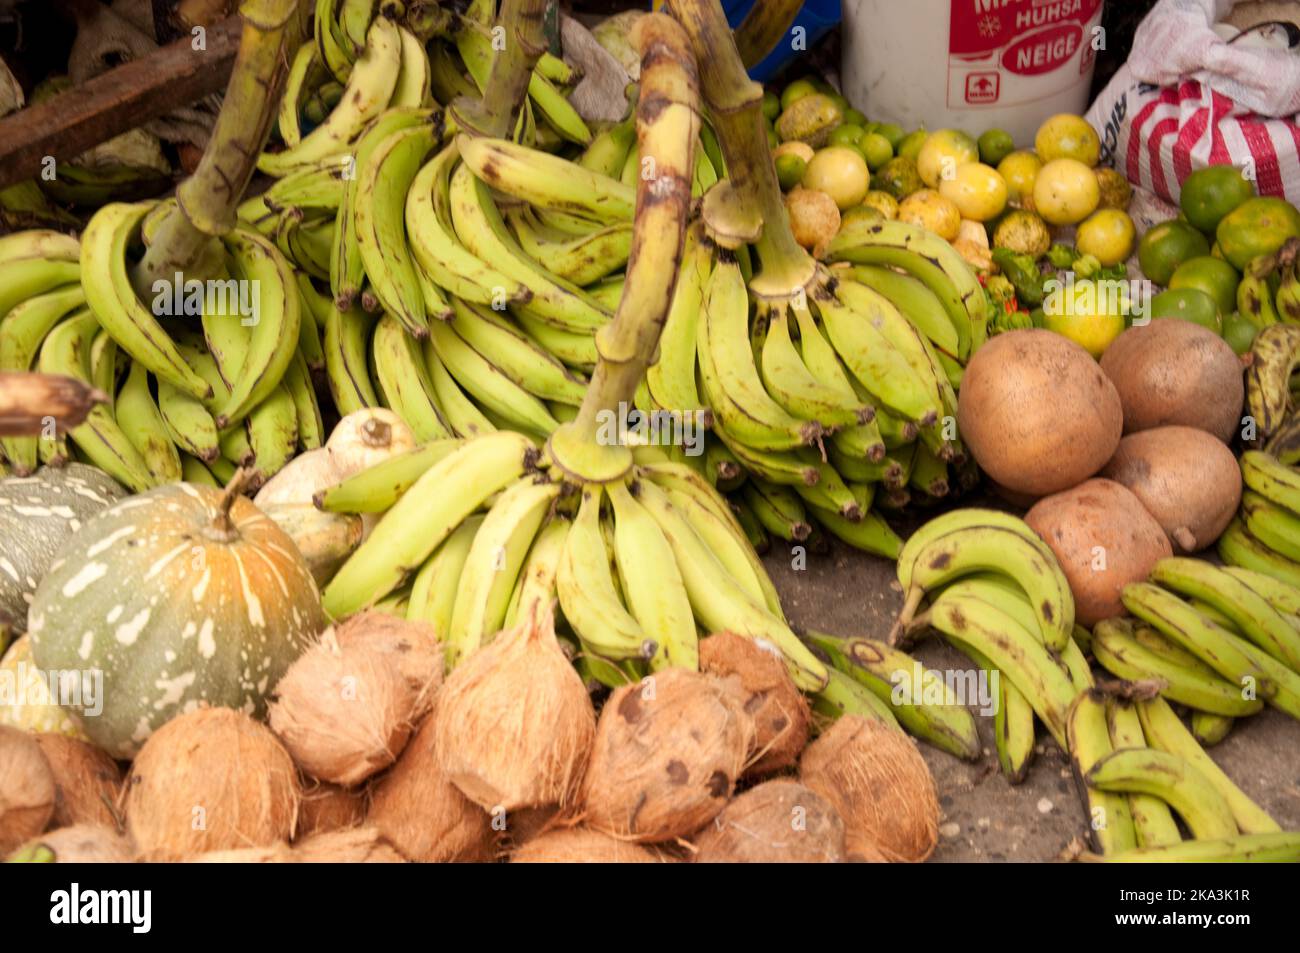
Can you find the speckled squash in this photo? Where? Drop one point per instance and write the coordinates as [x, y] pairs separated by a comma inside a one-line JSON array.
[[180, 596], [37, 514]]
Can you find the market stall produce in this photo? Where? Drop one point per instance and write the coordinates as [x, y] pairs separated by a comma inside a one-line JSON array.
[[414, 505]]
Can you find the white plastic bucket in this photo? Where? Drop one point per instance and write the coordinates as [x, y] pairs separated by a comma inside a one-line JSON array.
[[970, 64]]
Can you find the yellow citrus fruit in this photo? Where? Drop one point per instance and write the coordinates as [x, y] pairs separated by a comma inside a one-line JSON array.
[[882, 202], [931, 210], [1066, 136], [840, 172], [1066, 192], [1020, 170], [1108, 236], [977, 190], [943, 152], [1089, 313]]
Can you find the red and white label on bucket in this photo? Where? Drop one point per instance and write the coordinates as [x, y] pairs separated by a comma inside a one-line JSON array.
[[1010, 52]]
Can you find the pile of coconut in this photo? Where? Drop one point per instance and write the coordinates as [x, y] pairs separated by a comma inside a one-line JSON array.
[[370, 754]]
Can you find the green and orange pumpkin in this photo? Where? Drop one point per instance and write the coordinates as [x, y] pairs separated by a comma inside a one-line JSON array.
[[181, 596]]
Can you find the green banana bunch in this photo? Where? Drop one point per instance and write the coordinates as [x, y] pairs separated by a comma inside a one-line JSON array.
[[1281, 847], [1255, 299], [887, 672], [979, 540]]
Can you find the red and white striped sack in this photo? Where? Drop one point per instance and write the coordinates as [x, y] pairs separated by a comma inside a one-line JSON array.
[[1186, 99]]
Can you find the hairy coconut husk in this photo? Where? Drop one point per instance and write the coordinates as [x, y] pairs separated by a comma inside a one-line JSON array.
[[526, 823], [361, 845], [328, 807], [86, 780], [780, 711], [514, 721], [27, 788], [776, 822], [877, 781], [343, 713], [667, 754], [211, 779], [579, 845], [274, 854], [78, 844], [420, 812], [413, 645]]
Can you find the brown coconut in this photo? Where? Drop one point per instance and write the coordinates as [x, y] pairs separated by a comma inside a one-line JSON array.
[[211, 779], [579, 845], [878, 783], [1185, 477], [79, 844], [1104, 538], [514, 721], [776, 822], [420, 812], [1176, 372], [779, 710], [274, 854], [413, 645], [87, 781], [328, 807], [523, 825], [27, 788], [667, 755], [360, 845], [343, 713]]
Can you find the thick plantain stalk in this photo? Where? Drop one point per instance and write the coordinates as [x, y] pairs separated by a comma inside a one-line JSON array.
[[735, 108], [668, 125], [764, 27], [525, 41], [206, 201]]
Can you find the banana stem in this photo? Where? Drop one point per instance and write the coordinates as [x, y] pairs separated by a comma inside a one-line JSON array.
[[668, 124], [512, 68], [764, 27], [736, 108], [206, 201]]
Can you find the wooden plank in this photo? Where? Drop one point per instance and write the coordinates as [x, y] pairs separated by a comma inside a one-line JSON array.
[[113, 102]]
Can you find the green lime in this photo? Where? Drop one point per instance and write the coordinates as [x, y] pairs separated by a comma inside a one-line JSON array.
[[1166, 246], [845, 134], [877, 150], [1239, 331], [839, 100], [789, 170], [796, 91], [1257, 227], [1215, 277], [1187, 304], [910, 145], [771, 105], [893, 132], [856, 117], [773, 140], [995, 145], [1210, 194]]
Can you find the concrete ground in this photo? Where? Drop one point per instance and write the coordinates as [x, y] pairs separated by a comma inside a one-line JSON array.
[[847, 592]]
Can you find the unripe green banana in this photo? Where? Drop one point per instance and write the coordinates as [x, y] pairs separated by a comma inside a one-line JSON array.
[[377, 488], [140, 420], [1183, 624], [1088, 743], [842, 695], [1152, 820], [1244, 848], [1172, 779], [1164, 731], [433, 593]]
